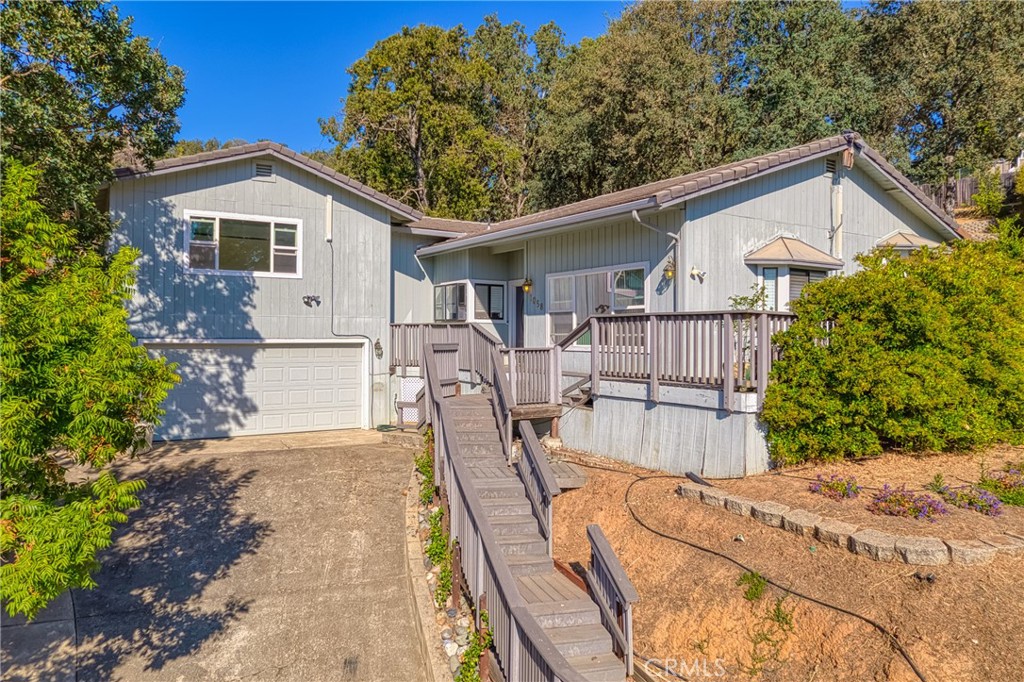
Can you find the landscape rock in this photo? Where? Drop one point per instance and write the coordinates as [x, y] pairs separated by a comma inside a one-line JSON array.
[[450, 648], [427, 563], [451, 612], [446, 633], [923, 551], [1005, 544], [713, 497], [834, 532], [689, 491], [800, 521], [462, 640], [970, 551], [874, 543], [738, 505], [769, 513], [461, 629], [453, 663], [464, 621]]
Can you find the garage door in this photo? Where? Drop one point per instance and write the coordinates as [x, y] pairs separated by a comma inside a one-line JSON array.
[[239, 390]]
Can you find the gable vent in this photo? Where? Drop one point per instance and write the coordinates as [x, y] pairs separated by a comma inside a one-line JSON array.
[[264, 170], [830, 165]]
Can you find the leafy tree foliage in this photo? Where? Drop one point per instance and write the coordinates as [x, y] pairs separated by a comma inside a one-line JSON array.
[[190, 147], [922, 353], [445, 120], [78, 88], [949, 79], [77, 392]]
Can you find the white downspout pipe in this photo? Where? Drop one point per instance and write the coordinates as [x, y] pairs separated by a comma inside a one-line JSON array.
[[675, 255]]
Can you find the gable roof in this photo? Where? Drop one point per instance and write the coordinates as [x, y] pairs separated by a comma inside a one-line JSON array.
[[904, 240], [277, 151], [792, 251], [672, 191]]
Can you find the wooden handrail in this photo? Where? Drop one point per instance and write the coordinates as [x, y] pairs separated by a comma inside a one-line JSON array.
[[502, 404], [524, 640], [613, 591], [539, 479]]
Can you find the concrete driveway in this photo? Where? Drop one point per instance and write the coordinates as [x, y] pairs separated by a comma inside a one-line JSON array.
[[277, 558]]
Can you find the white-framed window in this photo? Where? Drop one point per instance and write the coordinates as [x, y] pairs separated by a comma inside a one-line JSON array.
[[450, 302], [799, 278], [770, 281], [490, 301], [575, 296], [237, 244]]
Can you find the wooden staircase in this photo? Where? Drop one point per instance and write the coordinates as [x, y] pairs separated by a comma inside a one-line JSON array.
[[566, 613]]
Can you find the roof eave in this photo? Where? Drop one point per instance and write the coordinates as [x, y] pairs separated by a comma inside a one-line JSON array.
[[783, 262], [481, 238]]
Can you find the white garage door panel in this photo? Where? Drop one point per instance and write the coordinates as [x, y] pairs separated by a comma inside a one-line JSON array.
[[233, 390]]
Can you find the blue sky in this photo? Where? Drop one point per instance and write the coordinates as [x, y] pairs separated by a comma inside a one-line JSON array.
[[258, 70]]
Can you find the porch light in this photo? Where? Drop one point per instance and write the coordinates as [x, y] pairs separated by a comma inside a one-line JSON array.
[[378, 350], [670, 269], [527, 285]]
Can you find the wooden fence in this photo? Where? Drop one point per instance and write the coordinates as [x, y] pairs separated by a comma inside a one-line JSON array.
[[534, 374], [961, 192], [474, 344]]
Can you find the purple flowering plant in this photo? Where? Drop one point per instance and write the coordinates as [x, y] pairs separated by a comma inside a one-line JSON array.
[[967, 497], [1007, 485], [835, 487], [902, 502]]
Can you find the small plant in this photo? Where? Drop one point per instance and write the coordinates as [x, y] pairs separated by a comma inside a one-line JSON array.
[[755, 583], [966, 497], [425, 466], [757, 300], [835, 487], [774, 627], [991, 194], [479, 642], [437, 540], [444, 581], [901, 502], [1007, 485]]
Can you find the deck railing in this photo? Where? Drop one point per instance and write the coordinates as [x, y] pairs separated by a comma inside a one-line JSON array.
[[523, 650], [534, 375], [539, 479], [613, 592], [409, 340], [725, 350], [502, 403]]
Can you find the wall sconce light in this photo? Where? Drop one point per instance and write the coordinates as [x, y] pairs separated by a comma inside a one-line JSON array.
[[378, 350], [310, 299], [527, 285], [698, 274], [670, 269]]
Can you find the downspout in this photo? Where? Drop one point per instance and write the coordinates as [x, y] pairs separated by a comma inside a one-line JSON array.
[[676, 256]]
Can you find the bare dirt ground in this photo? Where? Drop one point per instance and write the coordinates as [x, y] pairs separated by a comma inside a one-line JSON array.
[[966, 625], [789, 486]]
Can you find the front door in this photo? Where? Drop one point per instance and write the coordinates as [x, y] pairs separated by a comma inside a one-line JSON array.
[[518, 313]]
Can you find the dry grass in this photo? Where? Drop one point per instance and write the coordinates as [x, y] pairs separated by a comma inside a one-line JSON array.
[[968, 624]]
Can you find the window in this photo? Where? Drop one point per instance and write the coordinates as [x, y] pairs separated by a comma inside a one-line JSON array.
[[770, 277], [230, 243], [572, 298], [450, 302], [490, 302], [798, 279]]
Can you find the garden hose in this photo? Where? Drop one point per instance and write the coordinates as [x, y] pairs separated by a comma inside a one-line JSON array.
[[890, 637]]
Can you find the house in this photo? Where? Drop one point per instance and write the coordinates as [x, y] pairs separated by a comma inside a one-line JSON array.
[[272, 280]]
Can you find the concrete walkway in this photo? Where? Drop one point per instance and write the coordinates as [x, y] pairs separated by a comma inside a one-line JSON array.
[[271, 558]]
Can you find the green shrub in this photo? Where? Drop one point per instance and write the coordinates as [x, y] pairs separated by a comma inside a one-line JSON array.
[[425, 465], [922, 353], [469, 671], [991, 194]]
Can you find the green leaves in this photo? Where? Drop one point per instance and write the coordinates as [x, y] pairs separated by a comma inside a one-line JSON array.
[[77, 89], [77, 392], [923, 353]]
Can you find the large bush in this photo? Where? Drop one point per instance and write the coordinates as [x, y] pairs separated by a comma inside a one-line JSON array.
[[991, 194], [921, 353]]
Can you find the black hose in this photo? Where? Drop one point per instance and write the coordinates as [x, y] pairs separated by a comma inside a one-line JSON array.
[[877, 626]]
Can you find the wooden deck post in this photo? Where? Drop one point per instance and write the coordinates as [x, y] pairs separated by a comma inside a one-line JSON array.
[[654, 363], [764, 342], [456, 574], [729, 344], [485, 655], [595, 365]]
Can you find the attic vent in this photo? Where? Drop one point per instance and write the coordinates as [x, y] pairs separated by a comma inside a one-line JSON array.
[[266, 170], [830, 166]]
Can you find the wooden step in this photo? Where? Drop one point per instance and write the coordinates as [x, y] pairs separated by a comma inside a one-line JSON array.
[[555, 614], [513, 524], [606, 667], [501, 506], [490, 437], [523, 543], [498, 487], [581, 640], [481, 449], [529, 564]]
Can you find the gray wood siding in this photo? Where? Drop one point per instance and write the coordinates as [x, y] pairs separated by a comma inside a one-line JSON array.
[[412, 298], [871, 213], [723, 226], [172, 303]]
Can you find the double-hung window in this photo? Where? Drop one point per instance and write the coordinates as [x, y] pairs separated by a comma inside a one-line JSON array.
[[243, 244], [573, 297], [450, 302]]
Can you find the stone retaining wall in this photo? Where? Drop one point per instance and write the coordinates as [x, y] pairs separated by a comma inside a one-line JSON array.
[[866, 542]]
